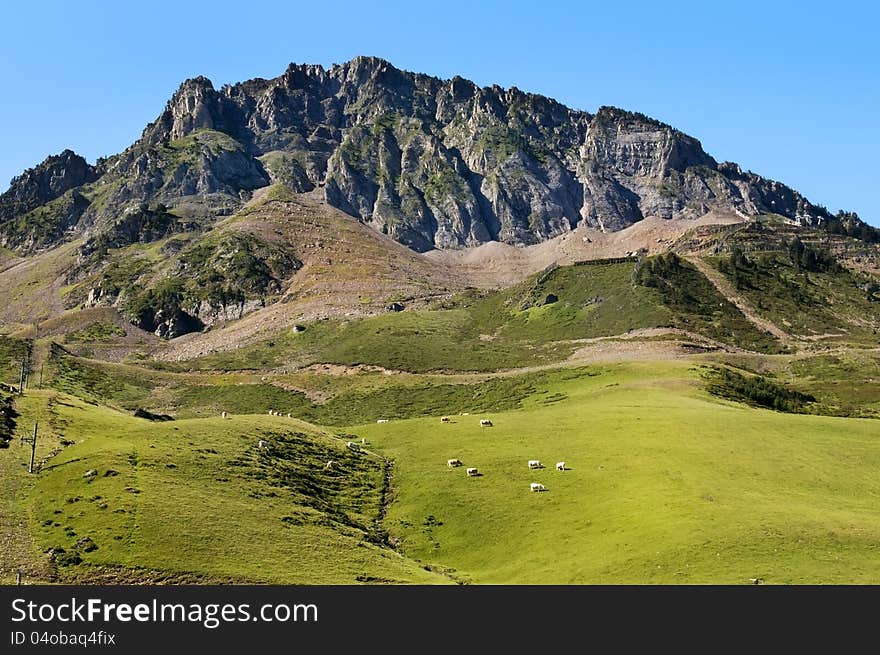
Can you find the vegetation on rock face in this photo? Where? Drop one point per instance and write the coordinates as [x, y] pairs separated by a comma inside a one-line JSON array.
[[41, 185], [233, 268], [214, 275], [45, 225], [141, 223]]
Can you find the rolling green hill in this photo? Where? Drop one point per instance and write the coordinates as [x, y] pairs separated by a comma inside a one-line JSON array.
[[665, 483], [132, 500], [715, 406], [662, 485]]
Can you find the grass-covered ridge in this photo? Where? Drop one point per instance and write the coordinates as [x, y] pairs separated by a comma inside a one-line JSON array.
[[539, 321], [804, 291], [202, 500]]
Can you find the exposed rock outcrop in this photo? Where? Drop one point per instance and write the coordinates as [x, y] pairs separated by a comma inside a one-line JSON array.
[[44, 183], [433, 163]]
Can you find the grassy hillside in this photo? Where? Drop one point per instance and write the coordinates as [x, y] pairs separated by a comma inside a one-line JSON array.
[[537, 322], [664, 485], [199, 499], [809, 296], [656, 385], [330, 401]]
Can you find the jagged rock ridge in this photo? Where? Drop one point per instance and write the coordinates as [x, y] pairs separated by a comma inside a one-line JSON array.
[[431, 162]]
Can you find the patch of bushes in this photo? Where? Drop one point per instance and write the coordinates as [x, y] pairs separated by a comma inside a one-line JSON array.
[[233, 268], [12, 351], [7, 420], [347, 493], [756, 391], [697, 304], [97, 332], [221, 273]]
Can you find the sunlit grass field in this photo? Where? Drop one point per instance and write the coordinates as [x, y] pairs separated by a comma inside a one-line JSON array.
[[665, 485]]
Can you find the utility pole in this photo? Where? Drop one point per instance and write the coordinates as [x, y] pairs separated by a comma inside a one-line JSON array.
[[42, 366], [33, 449], [27, 369], [21, 379]]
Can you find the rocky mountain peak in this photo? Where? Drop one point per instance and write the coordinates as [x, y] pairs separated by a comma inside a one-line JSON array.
[[432, 163], [361, 68], [45, 182], [195, 105]]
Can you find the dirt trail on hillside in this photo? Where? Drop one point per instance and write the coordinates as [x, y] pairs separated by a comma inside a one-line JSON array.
[[726, 289]]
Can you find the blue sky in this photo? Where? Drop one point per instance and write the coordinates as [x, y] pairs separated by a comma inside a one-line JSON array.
[[789, 90]]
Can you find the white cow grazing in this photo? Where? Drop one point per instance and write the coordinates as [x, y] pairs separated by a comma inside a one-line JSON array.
[[444, 419], [271, 412], [535, 464], [288, 415], [560, 466], [485, 423], [537, 486], [223, 414], [473, 471], [353, 446], [453, 462], [382, 420]]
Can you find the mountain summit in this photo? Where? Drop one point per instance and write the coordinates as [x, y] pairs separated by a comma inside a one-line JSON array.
[[433, 163]]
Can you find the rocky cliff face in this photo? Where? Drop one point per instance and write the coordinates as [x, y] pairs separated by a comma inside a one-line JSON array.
[[44, 183], [433, 163]]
